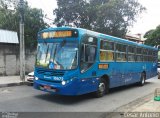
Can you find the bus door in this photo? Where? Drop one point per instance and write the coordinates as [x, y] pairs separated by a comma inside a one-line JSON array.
[[88, 65]]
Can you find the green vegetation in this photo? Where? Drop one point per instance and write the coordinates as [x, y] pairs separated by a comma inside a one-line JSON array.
[[106, 16], [153, 37], [9, 20]]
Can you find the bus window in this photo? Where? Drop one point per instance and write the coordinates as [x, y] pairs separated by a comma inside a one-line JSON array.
[[106, 56], [145, 55], [159, 55], [139, 56], [106, 51], [57, 56], [106, 45], [152, 56], [121, 52], [155, 56], [88, 52], [131, 54]]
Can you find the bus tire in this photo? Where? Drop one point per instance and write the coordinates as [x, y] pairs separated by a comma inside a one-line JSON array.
[[102, 88], [158, 75], [143, 79]]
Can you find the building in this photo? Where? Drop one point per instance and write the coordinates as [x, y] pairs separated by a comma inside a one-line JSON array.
[[9, 54], [135, 37], [9, 48]]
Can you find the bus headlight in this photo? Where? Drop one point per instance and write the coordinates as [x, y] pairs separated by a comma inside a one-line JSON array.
[[63, 82], [68, 81], [36, 78]]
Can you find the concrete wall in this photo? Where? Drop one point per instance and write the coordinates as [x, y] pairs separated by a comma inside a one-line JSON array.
[[9, 60]]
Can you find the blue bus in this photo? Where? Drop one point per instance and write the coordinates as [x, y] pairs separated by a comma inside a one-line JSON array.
[[76, 61]]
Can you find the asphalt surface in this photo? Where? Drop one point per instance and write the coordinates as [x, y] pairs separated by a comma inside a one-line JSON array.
[[27, 99]]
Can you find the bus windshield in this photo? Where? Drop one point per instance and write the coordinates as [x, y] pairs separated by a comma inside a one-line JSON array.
[[58, 56], [159, 55]]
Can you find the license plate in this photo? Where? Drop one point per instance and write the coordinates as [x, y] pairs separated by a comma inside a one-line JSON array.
[[47, 87]]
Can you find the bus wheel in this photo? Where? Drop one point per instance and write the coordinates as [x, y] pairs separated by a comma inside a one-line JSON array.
[[143, 79], [102, 88]]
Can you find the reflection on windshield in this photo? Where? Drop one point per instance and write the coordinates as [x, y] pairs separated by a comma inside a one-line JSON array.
[[158, 56], [58, 56]]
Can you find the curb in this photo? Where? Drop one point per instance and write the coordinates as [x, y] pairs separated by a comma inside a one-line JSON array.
[[13, 84]]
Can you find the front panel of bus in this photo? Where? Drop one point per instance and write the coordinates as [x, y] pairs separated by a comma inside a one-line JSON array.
[[56, 67]]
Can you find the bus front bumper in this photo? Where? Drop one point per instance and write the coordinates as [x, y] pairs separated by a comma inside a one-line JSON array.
[[72, 87], [57, 88]]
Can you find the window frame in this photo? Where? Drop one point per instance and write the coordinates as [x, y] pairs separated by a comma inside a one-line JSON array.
[[139, 54], [120, 52], [131, 53], [104, 50]]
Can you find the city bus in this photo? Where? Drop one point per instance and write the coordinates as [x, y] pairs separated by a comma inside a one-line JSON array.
[[76, 61]]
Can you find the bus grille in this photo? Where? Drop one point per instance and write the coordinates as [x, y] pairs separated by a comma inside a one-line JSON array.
[[50, 73], [50, 81]]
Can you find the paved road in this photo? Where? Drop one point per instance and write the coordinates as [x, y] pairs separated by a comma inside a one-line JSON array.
[[27, 99]]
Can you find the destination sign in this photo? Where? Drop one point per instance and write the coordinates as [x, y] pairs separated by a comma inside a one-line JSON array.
[[59, 34]]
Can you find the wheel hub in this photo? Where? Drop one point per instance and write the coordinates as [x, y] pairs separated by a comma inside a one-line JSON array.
[[101, 87]]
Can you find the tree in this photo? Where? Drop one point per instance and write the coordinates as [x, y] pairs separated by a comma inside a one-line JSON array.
[[34, 22], [153, 37], [9, 20], [106, 16]]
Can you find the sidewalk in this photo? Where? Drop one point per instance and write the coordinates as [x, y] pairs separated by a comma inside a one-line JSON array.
[[8, 81], [150, 106], [143, 104]]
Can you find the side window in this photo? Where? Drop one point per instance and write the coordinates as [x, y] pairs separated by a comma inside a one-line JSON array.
[[131, 53], [106, 51], [121, 52], [139, 56], [106, 45], [88, 52], [155, 56], [145, 55], [150, 55]]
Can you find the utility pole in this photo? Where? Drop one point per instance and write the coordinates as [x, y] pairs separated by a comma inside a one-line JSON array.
[[22, 47]]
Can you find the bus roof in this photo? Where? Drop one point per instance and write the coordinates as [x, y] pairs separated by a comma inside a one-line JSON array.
[[100, 35]]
